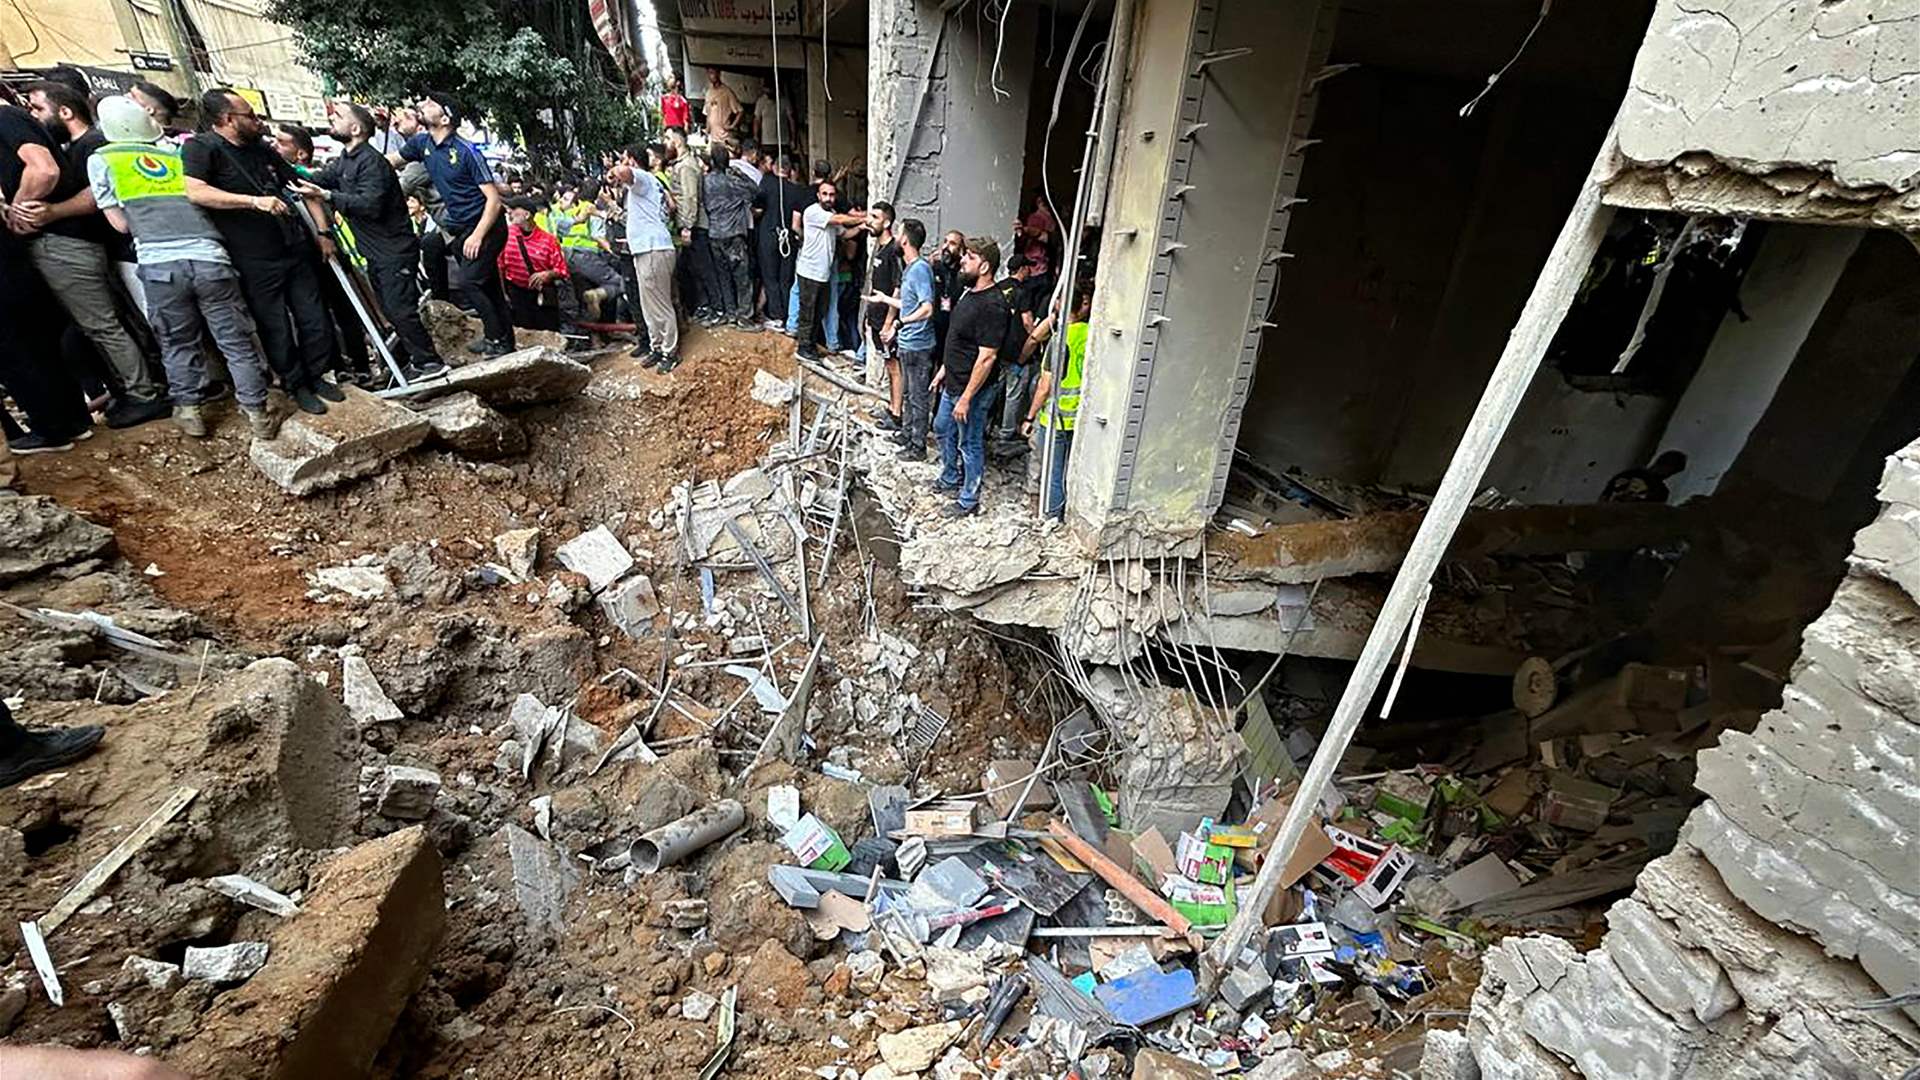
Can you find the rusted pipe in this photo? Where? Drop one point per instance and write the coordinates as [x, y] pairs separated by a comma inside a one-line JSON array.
[[676, 840]]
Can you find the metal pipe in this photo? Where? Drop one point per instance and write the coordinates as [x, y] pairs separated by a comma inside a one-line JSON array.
[[1119, 45], [676, 840]]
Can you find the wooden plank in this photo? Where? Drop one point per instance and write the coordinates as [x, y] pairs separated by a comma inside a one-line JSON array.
[[94, 880]]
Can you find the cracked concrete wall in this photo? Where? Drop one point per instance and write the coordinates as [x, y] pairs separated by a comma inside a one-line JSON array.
[[1793, 898], [1798, 110], [953, 155]]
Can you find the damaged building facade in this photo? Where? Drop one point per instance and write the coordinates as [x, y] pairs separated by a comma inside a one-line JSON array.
[[1338, 266]]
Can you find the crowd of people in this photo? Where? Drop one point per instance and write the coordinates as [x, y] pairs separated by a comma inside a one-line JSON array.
[[150, 271]]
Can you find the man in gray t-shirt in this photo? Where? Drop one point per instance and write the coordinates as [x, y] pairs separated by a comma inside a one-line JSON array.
[[649, 208]]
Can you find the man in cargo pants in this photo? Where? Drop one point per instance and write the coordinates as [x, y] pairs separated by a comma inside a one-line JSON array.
[[184, 269]]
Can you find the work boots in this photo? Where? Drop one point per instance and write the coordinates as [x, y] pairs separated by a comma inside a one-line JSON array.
[[264, 424], [191, 420]]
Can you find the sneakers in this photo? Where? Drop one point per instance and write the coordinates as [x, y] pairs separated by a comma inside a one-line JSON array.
[[669, 361], [126, 414], [38, 751], [641, 350], [327, 390], [888, 422], [191, 420], [912, 453], [263, 424], [578, 343], [307, 400], [36, 443], [955, 510], [426, 369], [653, 358], [941, 487], [496, 348], [478, 348], [808, 355]]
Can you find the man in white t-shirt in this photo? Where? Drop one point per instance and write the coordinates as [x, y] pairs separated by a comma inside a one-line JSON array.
[[820, 230], [649, 208]]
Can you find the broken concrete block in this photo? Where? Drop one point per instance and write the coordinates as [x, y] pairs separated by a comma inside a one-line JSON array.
[[916, 1049], [304, 741], [771, 389], [253, 894], [631, 605], [359, 582], [472, 428], [1245, 985], [596, 555], [519, 549], [1286, 1065], [156, 974], [354, 438], [1446, 1055], [38, 534], [543, 879], [698, 1005], [342, 971], [526, 377], [233, 963], [1159, 1065], [752, 484], [407, 793], [360, 692]]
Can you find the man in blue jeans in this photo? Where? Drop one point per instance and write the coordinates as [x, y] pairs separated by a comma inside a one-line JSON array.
[[965, 379]]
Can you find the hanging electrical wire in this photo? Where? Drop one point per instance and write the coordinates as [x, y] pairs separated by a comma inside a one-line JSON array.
[[1545, 6]]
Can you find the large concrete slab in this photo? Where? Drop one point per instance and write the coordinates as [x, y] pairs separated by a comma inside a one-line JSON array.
[[38, 534], [354, 438], [526, 377]]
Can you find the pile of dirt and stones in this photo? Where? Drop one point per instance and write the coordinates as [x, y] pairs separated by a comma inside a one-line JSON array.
[[588, 730]]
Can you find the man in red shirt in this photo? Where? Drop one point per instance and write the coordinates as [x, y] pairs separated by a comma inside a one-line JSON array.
[[675, 110], [534, 269]]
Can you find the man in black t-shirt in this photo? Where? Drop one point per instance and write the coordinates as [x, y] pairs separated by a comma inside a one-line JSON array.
[[241, 181], [884, 268], [72, 247], [30, 319], [1026, 304], [975, 336]]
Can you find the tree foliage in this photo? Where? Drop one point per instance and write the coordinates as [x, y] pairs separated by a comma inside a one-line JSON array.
[[531, 67]]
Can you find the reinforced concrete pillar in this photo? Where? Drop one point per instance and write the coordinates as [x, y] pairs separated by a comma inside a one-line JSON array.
[[1215, 119], [947, 101]]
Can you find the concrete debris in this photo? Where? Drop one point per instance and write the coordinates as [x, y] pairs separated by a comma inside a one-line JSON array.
[[225, 964], [543, 879], [697, 1005], [156, 974], [359, 582], [253, 894], [342, 971], [916, 1049], [597, 556], [407, 793], [37, 535], [519, 549], [632, 606], [360, 691], [528, 377], [354, 438], [470, 427], [771, 389]]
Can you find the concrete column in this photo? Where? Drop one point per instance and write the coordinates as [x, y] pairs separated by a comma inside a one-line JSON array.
[[946, 140], [1212, 126]]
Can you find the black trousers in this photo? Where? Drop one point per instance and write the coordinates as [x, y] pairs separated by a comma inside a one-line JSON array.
[[556, 307], [731, 258], [916, 367], [348, 332], [479, 278], [813, 300], [399, 292], [290, 312], [777, 271], [433, 258], [699, 282], [32, 369]]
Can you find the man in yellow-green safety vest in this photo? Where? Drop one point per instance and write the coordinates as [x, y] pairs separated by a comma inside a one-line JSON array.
[[1047, 405], [582, 235]]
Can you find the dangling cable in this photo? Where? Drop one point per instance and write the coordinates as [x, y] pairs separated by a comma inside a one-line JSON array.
[[1545, 6], [782, 232]]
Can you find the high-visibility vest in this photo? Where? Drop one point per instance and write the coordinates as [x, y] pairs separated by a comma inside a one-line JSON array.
[[1066, 397], [151, 185], [579, 232]]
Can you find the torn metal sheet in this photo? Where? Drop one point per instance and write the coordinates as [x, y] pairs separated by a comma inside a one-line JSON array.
[[253, 894], [43, 963], [783, 739], [768, 695]]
